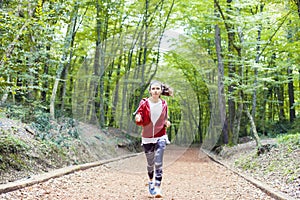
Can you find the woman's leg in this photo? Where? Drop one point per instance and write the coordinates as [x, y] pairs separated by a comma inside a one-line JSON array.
[[149, 152], [159, 153]]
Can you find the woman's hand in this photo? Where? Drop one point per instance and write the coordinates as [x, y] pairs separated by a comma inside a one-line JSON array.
[[138, 118], [167, 123]]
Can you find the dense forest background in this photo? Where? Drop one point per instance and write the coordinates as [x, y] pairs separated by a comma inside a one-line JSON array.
[[234, 65]]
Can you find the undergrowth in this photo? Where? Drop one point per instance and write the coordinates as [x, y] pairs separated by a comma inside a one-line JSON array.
[[281, 159], [12, 151], [291, 141]]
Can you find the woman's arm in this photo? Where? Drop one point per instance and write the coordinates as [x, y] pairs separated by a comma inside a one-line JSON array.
[[139, 113], [167, 123]]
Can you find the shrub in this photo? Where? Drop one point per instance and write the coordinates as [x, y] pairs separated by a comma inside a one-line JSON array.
[[292, 141], [277, 127], [295, 126], [11, 149], [11, 144]]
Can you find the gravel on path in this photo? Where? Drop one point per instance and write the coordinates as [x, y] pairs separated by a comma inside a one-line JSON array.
[[188, 174]]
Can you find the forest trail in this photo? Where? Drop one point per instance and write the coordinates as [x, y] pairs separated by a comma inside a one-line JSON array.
[[188, 174]]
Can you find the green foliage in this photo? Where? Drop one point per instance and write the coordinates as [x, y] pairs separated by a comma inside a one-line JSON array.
[[11, 149], [18, 154], [19, 112], [291, 141], [59, 131], [277, 127], [71, 126], [42, 124], [10, 144], [50, 148], [25, 112], [12, 160], [33, 47], [295, 126], [247, 163], [2, 112], [282, 159]]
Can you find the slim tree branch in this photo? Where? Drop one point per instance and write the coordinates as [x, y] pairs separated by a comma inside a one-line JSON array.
[[273, 35]]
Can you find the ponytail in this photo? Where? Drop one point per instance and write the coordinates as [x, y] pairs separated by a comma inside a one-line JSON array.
[[166, 90]]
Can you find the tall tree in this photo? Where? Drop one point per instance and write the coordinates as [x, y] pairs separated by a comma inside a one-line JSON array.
[[221, 94], [66, 49]]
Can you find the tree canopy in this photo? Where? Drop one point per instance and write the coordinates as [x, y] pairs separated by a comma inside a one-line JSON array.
[[233, 64]]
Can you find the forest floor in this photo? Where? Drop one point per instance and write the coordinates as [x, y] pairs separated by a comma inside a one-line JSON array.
[[188, 174]]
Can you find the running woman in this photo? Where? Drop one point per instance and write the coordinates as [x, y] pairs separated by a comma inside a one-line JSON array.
[[152, 115]]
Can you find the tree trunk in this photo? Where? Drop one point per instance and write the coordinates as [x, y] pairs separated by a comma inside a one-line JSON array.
[[144, 46], [280, 100], [253, 127], [46, 73], [4, 97], [240, 105], [7, 55], [116, 94], [263, 111], [290, 36], [66, 69], [231, 68], [108, 90], [96, 66], [257, 60], [298, 6], [292, 111], [102, 111], [68, 42], [221, 95]]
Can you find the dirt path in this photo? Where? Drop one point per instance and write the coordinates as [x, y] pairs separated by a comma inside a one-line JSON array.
[[188, 174]]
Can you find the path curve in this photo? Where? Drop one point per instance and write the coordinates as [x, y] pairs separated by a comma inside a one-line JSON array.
[[188, 174]]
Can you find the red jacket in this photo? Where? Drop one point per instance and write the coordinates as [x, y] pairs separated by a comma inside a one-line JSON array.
[[148, 130]]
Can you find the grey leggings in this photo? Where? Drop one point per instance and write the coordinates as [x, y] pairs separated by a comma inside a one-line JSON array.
[[154, 153]]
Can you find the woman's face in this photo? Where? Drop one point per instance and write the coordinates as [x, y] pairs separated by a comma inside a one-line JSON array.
[[155, 90]]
